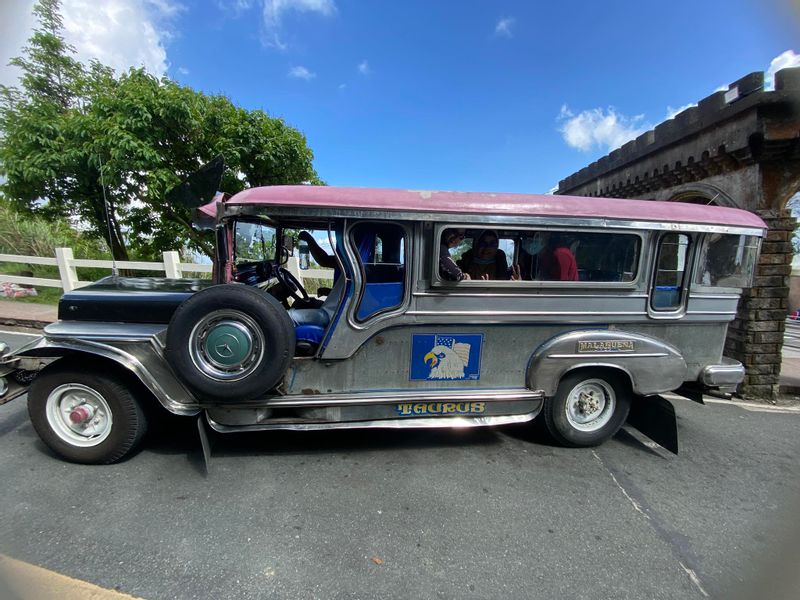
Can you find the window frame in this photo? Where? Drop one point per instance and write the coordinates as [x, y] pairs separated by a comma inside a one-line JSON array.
[[360, 273], [686, 279], [438, 282], [701, 244]]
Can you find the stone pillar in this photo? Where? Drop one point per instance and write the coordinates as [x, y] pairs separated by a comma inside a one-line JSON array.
[[755, 337]]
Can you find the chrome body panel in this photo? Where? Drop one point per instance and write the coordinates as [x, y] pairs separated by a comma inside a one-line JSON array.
[[411, 423], [136, 347], [363, 399], [651, 365]]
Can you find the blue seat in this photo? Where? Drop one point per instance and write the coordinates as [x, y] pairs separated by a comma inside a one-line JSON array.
[[309, 324]]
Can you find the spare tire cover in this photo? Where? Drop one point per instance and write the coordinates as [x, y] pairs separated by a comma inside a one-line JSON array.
[[230, 341]]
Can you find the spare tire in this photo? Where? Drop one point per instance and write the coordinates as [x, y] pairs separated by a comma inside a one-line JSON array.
[[230, 341]]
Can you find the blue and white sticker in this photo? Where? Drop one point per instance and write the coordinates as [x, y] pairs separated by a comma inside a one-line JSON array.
[[451, 356]]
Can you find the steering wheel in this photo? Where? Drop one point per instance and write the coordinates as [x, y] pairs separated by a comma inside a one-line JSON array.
[[291, 284]]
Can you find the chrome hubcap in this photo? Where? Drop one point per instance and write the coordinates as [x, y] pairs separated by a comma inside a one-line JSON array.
[[226, 345], [78, 415], [590, 405]]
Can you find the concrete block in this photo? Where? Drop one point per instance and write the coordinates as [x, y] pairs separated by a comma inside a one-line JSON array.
[[787, 79], [752, 82]]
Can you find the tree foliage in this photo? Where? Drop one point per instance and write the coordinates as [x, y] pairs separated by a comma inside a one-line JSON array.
[[68, 129]]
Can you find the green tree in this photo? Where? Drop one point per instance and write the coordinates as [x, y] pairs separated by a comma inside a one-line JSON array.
[[67, 126]]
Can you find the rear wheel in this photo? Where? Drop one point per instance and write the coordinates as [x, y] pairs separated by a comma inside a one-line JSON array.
[[588, 408], [86, 417]]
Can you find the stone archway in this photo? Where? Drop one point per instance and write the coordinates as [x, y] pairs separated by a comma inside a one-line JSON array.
[[702, 193]]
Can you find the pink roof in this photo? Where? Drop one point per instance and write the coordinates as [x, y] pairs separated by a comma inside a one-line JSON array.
[[491, 204]]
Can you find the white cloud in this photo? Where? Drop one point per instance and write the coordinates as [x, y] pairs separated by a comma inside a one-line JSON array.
[[300, 72], [671, 112], [273, 12], [183, 70], [363, 67], [598, 127], [119, 33], [503, 27], [342, 86], [782, 61]]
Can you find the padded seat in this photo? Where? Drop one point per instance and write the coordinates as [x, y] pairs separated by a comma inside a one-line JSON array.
[[309, 324]]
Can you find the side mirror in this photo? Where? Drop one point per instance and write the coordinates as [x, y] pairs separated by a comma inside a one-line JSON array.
[[288, 243]]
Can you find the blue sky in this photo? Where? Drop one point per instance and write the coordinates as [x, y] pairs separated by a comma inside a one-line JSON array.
[[498, 96]]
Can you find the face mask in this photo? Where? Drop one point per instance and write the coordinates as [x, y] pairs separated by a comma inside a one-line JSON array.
[[533, 245]]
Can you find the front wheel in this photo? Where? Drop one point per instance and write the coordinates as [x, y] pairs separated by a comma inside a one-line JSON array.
[[85, 417], [588, 408]]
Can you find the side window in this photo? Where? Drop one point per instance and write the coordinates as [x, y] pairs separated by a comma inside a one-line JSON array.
[[544, 255], [381, 251], [673, 253], [727, 260]]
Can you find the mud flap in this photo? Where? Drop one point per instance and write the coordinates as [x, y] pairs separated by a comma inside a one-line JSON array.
[[654, 417], [204, 442], [691, 390]]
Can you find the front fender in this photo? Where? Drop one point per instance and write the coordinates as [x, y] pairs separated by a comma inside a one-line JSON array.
[[653, 366], [135, 348]]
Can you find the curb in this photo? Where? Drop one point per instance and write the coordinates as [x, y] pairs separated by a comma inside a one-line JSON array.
[[29, 323], [789, 390]]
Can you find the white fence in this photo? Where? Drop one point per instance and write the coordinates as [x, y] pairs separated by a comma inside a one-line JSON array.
[[171, 266]]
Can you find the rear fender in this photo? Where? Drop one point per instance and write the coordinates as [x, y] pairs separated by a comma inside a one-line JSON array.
[[653, 366]]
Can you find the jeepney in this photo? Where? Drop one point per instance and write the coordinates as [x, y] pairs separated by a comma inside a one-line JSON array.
[[638, 304]]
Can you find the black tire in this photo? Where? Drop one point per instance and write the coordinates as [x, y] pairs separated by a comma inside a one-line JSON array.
[[267, 346], [615, 392], [69, 380]]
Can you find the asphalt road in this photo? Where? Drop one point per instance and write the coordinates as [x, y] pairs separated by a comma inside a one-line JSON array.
[[417, 514]]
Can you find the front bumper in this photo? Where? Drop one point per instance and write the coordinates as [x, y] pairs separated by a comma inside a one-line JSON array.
[[729, 374]]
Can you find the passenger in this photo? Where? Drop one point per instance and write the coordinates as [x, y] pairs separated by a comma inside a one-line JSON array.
[[485, 260], [547, 257], [322, 258], [556, 262], [448, 269]]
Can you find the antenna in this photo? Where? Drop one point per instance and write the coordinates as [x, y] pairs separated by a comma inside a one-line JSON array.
[[114, 269]]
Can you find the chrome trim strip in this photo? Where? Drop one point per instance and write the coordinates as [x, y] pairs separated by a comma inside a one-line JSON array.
[[609, 355], [399, 423], [367, 398], [523, 313], [703, 296], [455, 292], [100, 330]]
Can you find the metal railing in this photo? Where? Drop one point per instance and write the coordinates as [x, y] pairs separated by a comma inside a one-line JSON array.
[[171, 266]]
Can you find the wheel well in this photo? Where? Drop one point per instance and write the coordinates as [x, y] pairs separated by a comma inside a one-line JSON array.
[[614, 372]]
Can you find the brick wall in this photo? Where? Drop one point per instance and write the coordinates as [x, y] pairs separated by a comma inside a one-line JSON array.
[[755, 337]]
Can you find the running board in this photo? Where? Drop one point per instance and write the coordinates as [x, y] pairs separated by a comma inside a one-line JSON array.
[[399, 423], [369, 398]]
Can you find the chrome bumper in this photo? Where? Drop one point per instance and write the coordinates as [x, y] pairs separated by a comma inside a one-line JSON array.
[[729, 373]]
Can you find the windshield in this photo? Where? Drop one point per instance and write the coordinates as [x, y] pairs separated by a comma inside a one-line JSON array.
[[253, 242]]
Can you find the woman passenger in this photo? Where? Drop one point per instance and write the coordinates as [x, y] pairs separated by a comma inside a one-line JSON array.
[[485, 260]]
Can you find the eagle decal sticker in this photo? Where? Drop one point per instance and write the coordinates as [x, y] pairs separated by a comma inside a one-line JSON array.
[[446, 356]]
